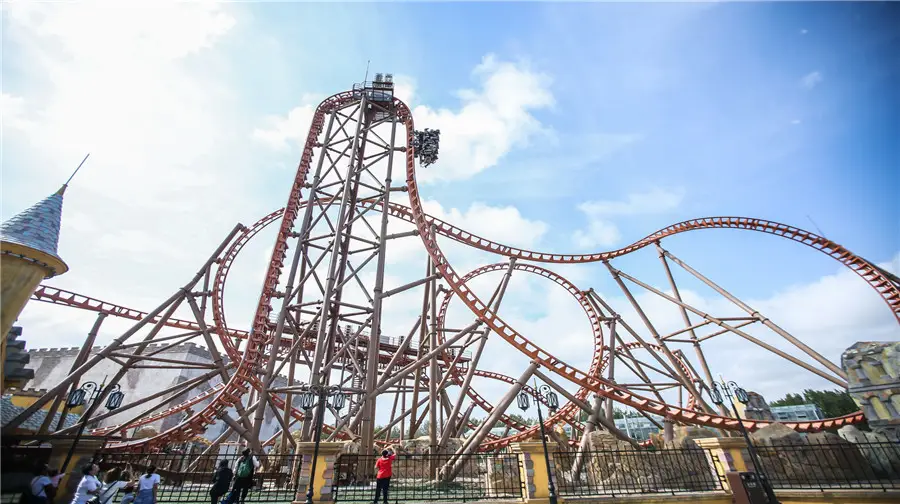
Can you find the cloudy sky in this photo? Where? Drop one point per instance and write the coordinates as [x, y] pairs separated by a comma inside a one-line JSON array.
[[565, 128]]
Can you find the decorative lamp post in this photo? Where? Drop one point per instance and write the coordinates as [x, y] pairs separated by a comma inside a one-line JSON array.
[[88, 393], [732, 391], [553, 403], [317, 395]]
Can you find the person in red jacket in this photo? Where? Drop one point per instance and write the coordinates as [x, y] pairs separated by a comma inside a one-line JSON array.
[[384, 473]]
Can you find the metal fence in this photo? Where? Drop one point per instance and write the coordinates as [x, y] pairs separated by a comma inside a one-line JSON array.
[[623, 472], [187, 478], [830, 465], [492, 477]]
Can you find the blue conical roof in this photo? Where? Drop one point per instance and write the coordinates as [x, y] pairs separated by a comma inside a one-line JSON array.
[[38, 226]]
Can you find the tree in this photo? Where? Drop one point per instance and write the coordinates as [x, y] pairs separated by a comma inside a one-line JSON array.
[[522, 420], [395, 432], [833, 403], [619, 413]]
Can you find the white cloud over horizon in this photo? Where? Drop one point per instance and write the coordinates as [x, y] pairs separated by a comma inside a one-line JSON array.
[[490, 121]]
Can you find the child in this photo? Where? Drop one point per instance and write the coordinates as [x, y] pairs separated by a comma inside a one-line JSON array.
[[55, 478]]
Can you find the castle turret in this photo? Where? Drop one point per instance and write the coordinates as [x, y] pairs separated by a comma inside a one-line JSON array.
[[28, 255]]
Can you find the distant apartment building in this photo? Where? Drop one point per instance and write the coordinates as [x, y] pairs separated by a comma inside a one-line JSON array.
[[797, 413], [638, 428]]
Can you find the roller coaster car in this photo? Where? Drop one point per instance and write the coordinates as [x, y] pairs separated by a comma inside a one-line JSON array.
[[426, 145]]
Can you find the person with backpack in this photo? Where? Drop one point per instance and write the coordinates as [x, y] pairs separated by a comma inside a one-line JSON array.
[[147, 485], [41, 486], [243, 476], [384, 468], [221, 481]]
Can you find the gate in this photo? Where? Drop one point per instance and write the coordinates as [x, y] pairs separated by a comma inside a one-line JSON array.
[[484, 477]]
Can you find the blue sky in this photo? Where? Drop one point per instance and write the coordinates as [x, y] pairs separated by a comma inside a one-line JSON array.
[[713, 94], [660, 112]]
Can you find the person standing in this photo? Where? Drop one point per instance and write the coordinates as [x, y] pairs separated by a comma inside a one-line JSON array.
[[115, 481], [89, 486], [221, 481], [243, 476], [147, 485], [41, 486], [384, 468]]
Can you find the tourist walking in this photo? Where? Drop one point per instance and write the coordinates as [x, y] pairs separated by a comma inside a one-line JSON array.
[[243, 476], [147, 485], [221, 481], [41, 486], [89, 486], [384, 471]]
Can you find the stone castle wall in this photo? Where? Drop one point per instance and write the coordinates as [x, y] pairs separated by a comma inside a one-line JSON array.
[[52, 365], [873, 375]]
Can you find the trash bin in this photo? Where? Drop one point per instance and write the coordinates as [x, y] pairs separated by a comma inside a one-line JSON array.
[[746, 488]]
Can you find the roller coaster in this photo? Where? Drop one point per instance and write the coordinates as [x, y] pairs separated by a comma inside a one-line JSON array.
[[320, 315]]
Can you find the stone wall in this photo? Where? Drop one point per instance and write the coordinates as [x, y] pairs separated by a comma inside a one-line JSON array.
[[52, 365], [873, 375]]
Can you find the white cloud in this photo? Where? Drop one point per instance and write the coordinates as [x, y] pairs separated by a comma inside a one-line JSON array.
[[811, 79], [13, 113], [804, 31], [601, 231], [502, 224], [490, 121], [108, 80], [283, 133], [796, 121], [153, 108], [405, 89]]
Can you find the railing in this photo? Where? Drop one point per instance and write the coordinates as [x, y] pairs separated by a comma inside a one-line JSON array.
[[188, 478], [492, 477], [831, 465], [622, 472]]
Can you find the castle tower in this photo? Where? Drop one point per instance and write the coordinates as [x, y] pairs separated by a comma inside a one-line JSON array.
[[28, 255]]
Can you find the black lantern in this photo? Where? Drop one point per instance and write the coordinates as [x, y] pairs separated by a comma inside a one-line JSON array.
[[523, 401], [552, 399], [715, 395], [741, 394], [307, 400], [338, 401], [115, 400], [76, 398]]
